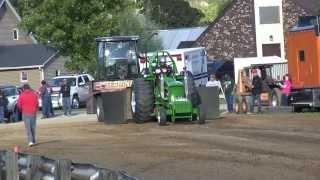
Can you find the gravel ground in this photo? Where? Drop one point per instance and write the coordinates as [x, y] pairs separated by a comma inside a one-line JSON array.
[[269, 146]]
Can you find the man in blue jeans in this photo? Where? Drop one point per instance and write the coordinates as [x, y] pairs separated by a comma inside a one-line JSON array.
[[256, 90], [66, 102], [228, 88], [28, 104]]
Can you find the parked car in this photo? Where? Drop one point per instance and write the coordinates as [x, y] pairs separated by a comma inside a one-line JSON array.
[[12, 113], [79, 91]]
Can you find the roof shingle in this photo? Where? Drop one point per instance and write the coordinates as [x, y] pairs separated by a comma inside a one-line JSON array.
[[25, 55]]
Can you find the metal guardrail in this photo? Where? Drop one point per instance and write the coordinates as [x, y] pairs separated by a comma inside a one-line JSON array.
[[20, 166]]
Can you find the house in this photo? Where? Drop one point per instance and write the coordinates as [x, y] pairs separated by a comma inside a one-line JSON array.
[[253, 28], [22, 58], [29, 63]]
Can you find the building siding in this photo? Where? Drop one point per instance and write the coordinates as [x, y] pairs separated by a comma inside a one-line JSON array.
[[13, 77], [57, 64], [233, 34], [8, 22]]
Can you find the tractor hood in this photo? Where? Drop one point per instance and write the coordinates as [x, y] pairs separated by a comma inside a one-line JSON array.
[[171, 82]]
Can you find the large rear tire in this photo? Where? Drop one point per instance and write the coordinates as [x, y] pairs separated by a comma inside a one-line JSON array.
[[144, 100]]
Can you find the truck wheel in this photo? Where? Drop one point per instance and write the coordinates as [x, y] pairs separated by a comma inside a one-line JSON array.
[[100, 110], [238, 108], [296, 109], [276, 98], [244, 106], [162, 116], [144, 100], [75, 102]]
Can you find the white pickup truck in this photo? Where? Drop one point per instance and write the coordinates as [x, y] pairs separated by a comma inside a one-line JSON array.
[[79, 89]]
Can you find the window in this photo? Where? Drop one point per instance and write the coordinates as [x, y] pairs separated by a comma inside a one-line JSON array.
[[302, 56], [271, 50], [80, 81], [58, 72], [15, 34], [58, 81], [24, 77], [86, 79], [269, 15]]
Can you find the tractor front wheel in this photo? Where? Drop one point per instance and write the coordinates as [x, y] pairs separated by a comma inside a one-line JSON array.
[[162, 116], [143, 104]]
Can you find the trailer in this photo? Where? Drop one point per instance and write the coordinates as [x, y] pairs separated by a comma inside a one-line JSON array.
[[304, 63], [193, 59]]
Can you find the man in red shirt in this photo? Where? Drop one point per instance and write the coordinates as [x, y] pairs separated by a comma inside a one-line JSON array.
[[28, 104]]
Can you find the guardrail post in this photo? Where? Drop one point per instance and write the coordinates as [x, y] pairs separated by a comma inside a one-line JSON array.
[[107, 175], [2, 165], [64, 170], [12, 166], [33, 164]]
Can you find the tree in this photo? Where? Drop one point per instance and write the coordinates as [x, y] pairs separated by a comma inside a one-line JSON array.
[[171, 13], [71, 26]]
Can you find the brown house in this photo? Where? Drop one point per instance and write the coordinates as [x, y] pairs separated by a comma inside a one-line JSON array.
[[22, 59], [254, 28]]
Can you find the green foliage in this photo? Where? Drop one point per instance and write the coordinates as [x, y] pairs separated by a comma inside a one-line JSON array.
[[71, 26], [171, 13], [131, 23], [210, 8]]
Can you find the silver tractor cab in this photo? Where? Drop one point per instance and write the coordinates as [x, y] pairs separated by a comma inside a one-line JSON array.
[[117, 58]]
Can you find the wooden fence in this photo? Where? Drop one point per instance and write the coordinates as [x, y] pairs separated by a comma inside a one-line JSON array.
[[20, 166]]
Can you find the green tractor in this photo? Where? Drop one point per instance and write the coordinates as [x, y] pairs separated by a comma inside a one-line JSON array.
[[164, 93], [158, 90]]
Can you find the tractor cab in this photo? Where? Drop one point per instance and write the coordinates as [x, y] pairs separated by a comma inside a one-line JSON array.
[[117, 57]]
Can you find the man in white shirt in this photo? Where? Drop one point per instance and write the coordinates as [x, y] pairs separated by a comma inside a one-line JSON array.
[[213, 82]]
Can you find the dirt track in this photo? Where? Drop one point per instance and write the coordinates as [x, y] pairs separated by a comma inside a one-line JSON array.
[[264, 147]]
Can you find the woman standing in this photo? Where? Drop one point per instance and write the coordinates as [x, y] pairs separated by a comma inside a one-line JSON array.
[[286, 89]]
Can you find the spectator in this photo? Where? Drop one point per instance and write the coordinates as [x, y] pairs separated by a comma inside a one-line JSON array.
[[51, 110], [256, 90], [213, 82], [45, 99], [28, 104], [228, 88], [66, 102], [3, 104], [286, 89]]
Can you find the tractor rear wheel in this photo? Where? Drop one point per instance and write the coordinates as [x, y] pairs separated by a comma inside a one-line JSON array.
[[143, 106]]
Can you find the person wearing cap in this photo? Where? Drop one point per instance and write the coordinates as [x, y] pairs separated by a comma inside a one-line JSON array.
[[66, 102], [256, 90], [28, 104]]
